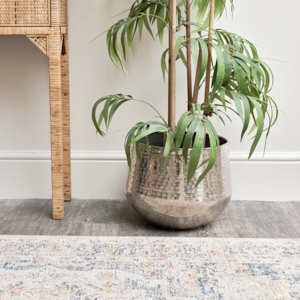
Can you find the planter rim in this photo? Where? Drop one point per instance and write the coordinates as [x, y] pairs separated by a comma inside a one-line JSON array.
[[190, 149]]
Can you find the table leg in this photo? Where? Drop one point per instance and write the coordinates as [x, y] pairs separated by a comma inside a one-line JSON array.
[[66, 118], [56, 125]]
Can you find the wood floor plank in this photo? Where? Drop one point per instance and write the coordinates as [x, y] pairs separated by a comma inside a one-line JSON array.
[[241, 219]]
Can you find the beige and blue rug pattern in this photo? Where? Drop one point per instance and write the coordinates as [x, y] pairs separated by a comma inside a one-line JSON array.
[[42, 267]]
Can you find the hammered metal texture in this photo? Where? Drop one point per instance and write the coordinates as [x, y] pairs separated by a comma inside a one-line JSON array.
[[163, 196]]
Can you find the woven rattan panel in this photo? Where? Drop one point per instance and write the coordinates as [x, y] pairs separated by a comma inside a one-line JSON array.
[[63, 12], [24, 12]]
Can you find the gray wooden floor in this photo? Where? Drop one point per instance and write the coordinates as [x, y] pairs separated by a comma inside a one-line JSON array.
[[241, 219]]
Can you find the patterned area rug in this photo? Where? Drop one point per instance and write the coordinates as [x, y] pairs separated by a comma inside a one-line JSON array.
[[40, 267]]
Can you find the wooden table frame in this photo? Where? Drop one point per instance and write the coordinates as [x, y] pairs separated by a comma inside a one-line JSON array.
[[52, 40]]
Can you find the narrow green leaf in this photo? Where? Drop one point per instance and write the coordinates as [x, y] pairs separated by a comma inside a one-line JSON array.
[[183, 116], [114, 108], [222, 98], [204, 54], [148, 26], [137, 145], [246, 114], [240, 77], [151, 13], [238, 105], [164, 68], [140, 24], [220, 72], [194, 48], [183, 57], [161, 24], [168, 146], [228, 68], [124, 31], [260, 124], [94, 119], [214, 141], [196, 151], [178, 45], [180, 131], [106, 107], [189, 137], [215, 109], [128, 143]]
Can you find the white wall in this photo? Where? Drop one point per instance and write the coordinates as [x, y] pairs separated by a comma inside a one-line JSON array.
[[98, 165]]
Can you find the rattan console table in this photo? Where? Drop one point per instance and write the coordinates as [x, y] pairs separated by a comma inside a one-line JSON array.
[[45, 23]]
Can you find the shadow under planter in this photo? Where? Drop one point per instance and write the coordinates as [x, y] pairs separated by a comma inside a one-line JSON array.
[[163, 196]]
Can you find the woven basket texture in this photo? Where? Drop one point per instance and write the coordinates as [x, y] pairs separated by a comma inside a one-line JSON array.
[[29, 12], [24, 12]]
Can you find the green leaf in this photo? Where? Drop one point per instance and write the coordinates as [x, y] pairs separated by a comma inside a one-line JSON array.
[[202, 11], [115, 46], [214, 141], [228, 68], [106, 107], [178, 44], [196, 151], [215, 109], [215, 74], [161, 24], [183, 116], [147, 141], [151, 13], [183, 57], [238, 105], [260, 124], [124, 31], [222, 98], [128, 140], [189, 137], [168, 146], [246, 114], [130, 35], [204, 54], [148, 26], [194, 48], [268, 82], [220, 72], [240, 77], [137, 145], [140, 24], [253, 68], [114, 107], [94, 119], [180, 131], [164, 68]]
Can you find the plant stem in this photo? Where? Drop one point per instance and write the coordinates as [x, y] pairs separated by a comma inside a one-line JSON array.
[[172, 65], [189, 54], [210, 38]]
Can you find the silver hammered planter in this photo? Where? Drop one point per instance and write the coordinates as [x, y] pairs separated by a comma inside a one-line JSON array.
[[163, 196]]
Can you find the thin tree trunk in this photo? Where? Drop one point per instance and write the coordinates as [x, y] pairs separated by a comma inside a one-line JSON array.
[[210, 38], [172, 65], [189, 55]]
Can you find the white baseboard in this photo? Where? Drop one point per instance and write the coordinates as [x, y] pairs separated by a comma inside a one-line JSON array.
[[101, 175]]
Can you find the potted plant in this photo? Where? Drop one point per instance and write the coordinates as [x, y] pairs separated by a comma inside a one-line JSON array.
[[179, 175]]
